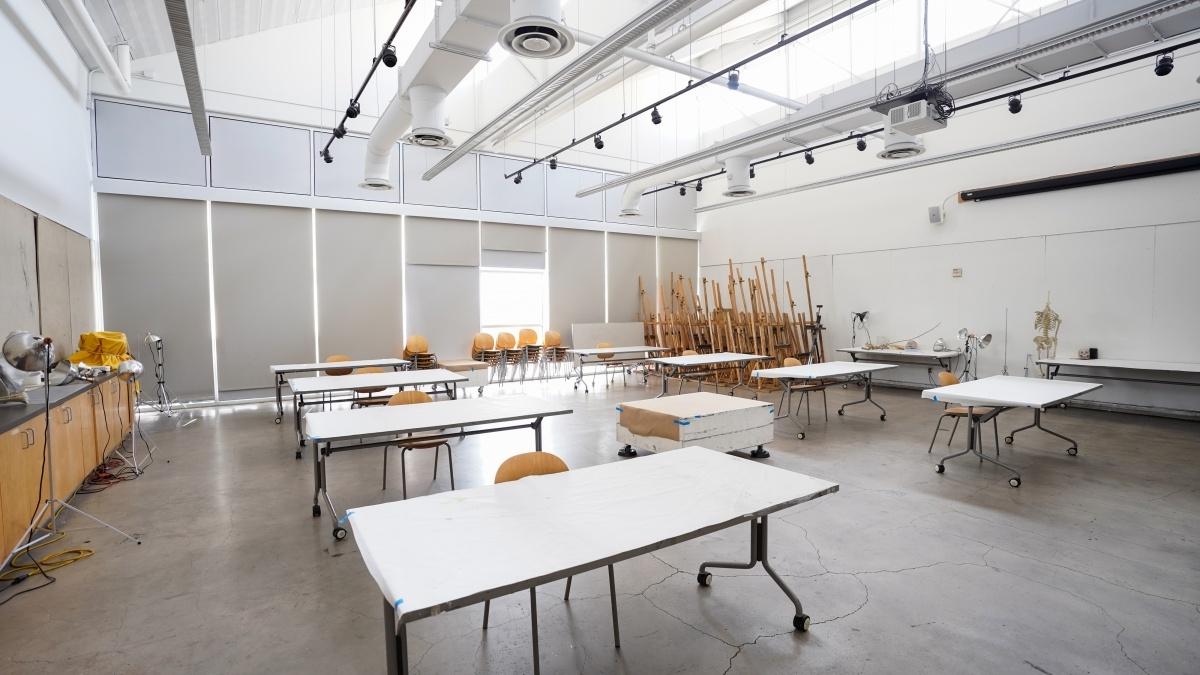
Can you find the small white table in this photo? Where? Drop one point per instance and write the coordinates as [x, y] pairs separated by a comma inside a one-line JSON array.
[[445, 551], [1128, 367], [710, 363], [476, 372], [1005, 392], [382, 426], [316, 387], [636, 354], [830, 370], [281, 371], [943, 359]]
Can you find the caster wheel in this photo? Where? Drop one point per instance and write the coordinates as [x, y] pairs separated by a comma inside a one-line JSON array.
[[760, 453], [277, 420], [339, 533], [1015, 482], [576, 387], [940, 469], [704, 579], [297, 454], [1072, 451], [316, 510], [843, 386], [883, 418], [1008, 440], [801, 623], [841, 412], [800, 436], [627, 451]]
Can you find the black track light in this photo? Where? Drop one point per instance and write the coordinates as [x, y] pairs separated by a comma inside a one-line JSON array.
[[389, 56], [1164, 65], [734, 80], [861, 145], [1014, 104], [352, 110], [752, 172], [325, 155], [655, 117], [682, 191], [553, 162], [598, 142], [809, 158], [699, 185], [518, 179], [340, 131]]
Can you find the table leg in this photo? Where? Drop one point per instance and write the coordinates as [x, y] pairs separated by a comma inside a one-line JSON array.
[[297, 403], [786, 395], [396, 640], [339, 532], [664, 382], [972, 447], [740, 380], [1037, 422], [537, 434], [865, 399], [579, 374], [758, 555], [278, 398]]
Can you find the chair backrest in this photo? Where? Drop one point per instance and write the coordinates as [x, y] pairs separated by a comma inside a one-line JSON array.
[[529, 464], [416, 344], [553, 339], [337, 358], [946, 378], [506, 341], [409, 396], [526, 336], [602, 345], [367, 371], [791, 361], [689, 352], [484, 341]]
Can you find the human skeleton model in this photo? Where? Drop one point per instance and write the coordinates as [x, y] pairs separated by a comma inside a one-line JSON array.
[[1046, 322]]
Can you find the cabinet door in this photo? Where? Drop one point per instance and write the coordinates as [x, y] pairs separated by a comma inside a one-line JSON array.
[[20, 470], [100, 432], [65, 449], [85, 418]]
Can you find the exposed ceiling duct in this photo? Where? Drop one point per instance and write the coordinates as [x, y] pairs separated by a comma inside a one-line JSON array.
[[737, 177], [428, 117], [537, 30], [1074, 34], [93, 43]]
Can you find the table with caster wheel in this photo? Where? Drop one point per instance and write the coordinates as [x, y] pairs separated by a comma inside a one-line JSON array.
[[337, 431], [726, 423], [700, 367], [1004, 393], [280, 372], [636, 355], [813, 377], [432, 554]]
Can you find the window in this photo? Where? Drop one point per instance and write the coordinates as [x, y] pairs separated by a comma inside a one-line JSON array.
[[511, 299]]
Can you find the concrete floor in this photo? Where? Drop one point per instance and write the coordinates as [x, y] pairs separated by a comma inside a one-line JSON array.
[[1091, 566]]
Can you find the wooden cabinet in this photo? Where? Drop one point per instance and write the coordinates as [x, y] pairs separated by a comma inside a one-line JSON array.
[[21, 451]]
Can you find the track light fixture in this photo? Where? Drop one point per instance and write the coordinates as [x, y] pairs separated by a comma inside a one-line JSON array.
[[353, 109], [340, 131], [861, 144], [518, 179], [655, 117], [598, 142], [699, 185], [1014, 104], [1164, 64], [808, 157], [389, 56], [734, 79], [682, 191], [327, 156], [553, 162], [752, 172]]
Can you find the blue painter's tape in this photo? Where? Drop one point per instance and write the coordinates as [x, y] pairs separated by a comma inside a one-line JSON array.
[[620, 409], [398, 602], [683, 423], [935, 398]]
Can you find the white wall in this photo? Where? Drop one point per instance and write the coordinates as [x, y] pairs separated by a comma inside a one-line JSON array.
[[1117, 261], [45, 163]]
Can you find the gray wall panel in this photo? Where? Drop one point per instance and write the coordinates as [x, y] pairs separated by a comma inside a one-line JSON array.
[[497, 193], [444, 307], [505, 237], [18, 269], [629, 255], [576, 278], [360, 294], [140, 143], [154, 278], [456, 187], [441, 241], [258, 156], [263, 278], [561, 186], [341, 178], [678, 256]]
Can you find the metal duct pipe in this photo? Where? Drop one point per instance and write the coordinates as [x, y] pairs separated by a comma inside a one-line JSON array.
[[737, 177], [94, 43], [388, 129], [428, 105], [631, 198]]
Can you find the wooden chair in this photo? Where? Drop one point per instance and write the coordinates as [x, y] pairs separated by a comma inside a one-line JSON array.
[[409, 397], [981, 415], [608, 367], [483, 348], [416, 351], [510, 356], [368, 393], [338, 358], [699, 373], [531, 351], [554, 354], [541, 464], [807, 388]]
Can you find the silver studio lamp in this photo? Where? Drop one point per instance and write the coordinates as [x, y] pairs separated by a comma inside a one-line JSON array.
[[24, 352]]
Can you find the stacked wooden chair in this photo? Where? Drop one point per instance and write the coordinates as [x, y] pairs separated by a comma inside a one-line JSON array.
[[416, 352], [483, 348], [531, 353]]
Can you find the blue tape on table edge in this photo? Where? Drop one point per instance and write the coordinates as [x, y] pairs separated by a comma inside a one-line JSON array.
[[620, 409], [683, 423], [398, 602]]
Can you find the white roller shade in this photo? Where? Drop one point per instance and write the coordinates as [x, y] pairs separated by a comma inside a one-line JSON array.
[[630, 256], [360, 294], [576, 278], [441, 241]]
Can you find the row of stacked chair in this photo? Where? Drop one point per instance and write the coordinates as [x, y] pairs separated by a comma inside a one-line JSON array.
[[516, 357]]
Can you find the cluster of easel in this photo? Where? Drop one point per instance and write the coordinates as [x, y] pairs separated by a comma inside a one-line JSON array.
[[743, 316]]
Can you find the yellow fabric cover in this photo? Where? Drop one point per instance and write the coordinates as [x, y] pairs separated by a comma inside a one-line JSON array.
[[102, 348]]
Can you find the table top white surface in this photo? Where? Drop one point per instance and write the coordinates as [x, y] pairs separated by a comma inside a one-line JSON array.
[[399, 378], [914, 353], [1127, 364], [1006, 391], [335, 425], [592, 351], [708, 359], [327, 365], [695, 403], [816, 371], [452, 549]]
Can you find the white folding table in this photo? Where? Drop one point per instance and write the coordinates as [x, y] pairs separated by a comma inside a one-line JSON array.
[[944, 358], [710, 363], [281, 371], [1129, 369], [317, 387], [830, 370], [1005, 392], [628, 354], [383, 426], [449, 550]]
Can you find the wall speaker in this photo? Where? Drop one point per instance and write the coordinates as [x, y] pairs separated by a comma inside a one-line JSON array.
[[935, 215]]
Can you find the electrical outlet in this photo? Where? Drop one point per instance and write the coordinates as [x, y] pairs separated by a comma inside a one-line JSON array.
[[956, 272]]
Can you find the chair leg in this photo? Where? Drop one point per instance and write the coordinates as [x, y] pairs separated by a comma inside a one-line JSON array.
[[385, 454], [996, 431], [953, 431], [825, 403], [935, 432], [612, 594], [437, 453], [450, 461], [487, 608], [807, 407], [537, 667], [403, 475], [567, 593]]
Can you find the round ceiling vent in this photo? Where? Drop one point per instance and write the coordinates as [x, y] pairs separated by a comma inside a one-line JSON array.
[[536, 37], [429, 138], [740, 192], [899, 145]]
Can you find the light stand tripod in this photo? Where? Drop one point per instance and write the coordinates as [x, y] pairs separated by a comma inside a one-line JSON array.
[[158, 354], [50, 503], [134, 369]]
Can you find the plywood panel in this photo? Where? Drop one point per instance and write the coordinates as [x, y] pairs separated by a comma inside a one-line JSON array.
[[18, 269], [54, 287], [79, 274]]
